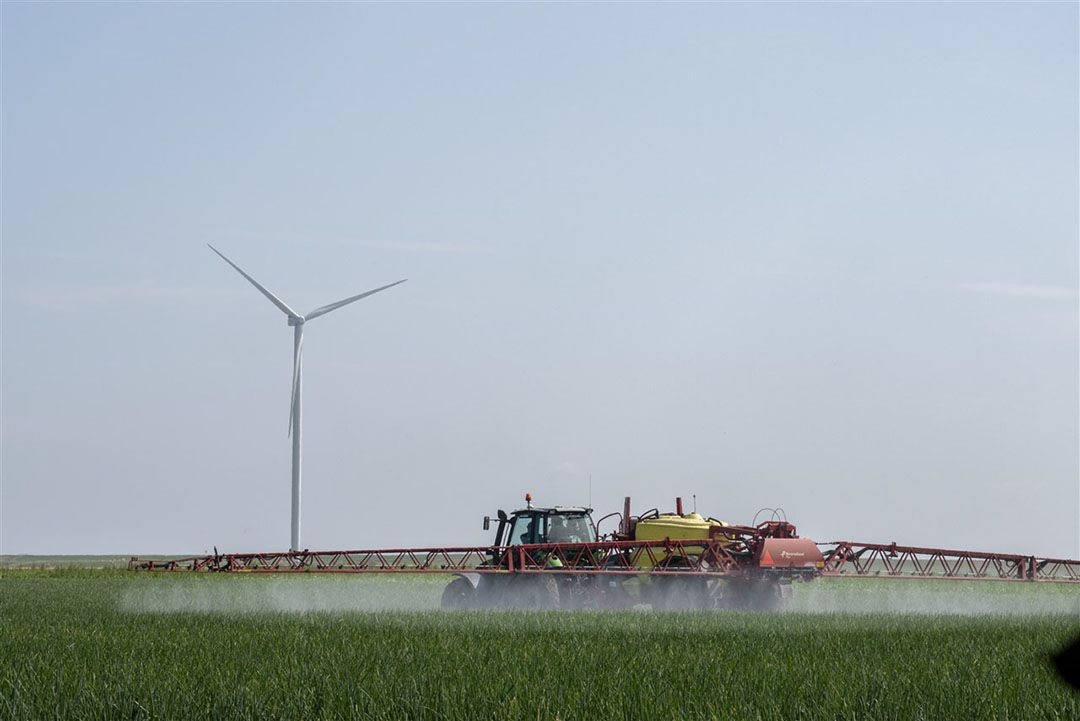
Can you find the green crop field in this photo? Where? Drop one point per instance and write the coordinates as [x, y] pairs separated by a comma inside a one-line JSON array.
[[105, 644]]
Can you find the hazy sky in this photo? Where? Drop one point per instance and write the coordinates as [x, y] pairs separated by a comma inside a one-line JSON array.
[[815, 256]]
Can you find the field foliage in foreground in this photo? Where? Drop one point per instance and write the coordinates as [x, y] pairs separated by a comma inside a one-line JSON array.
[[108, 645]]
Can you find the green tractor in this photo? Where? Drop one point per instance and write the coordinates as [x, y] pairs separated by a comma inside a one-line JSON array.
[[650, 560], [528, 526]]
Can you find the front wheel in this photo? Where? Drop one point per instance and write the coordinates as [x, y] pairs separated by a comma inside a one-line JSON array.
[[459, 595]]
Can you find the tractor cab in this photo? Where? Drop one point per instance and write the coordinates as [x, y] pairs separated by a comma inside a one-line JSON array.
[[559, 524], [549, 525]]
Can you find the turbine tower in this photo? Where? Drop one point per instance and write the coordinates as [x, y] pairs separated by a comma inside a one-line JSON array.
[[297, 322]]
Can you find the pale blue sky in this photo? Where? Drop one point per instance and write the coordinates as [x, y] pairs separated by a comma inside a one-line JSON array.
[[816, 256]]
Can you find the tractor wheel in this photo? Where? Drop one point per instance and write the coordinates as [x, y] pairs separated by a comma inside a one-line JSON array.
[[535, 592], [492, 591], [578, 593], [459, 595]]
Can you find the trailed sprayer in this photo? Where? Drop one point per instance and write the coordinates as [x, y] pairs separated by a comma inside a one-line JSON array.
[[559, 558]]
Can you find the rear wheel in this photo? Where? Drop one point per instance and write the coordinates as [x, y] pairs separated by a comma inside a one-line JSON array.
[[580, 592], [536, 592], [459, 595]]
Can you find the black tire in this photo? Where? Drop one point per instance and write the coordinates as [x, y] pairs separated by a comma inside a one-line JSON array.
[[534, 592], [577, 593], [459, 595]]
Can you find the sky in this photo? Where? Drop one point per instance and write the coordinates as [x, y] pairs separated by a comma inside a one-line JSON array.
[[815, 256]]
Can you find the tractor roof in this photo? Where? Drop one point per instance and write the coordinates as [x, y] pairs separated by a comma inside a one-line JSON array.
[[555, 509]]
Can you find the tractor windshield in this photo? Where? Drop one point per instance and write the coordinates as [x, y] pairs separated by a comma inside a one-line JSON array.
[[570, 528], [551, 527]]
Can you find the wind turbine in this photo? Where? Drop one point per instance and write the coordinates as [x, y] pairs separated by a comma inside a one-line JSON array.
[[297, 322]]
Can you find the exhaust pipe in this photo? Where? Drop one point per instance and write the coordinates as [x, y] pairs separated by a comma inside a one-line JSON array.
[[678, 505]]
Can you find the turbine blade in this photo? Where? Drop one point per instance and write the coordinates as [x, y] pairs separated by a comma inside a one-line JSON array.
[[298, 359], [334, 306], [273, 298]]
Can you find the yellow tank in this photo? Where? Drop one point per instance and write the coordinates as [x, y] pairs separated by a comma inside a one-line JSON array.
[[690, 527], [678, 528]]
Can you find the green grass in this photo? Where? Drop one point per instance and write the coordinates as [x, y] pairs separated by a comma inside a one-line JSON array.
[[87, 644], [26, 561]]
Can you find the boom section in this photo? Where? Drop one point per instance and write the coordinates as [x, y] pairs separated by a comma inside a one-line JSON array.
[[889, 560], [738, 551], [726, 553]]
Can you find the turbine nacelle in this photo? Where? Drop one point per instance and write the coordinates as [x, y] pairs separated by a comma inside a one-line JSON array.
[[294, 320]]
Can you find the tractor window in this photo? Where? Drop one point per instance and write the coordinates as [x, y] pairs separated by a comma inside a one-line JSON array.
[[570, 528], [526, 529]]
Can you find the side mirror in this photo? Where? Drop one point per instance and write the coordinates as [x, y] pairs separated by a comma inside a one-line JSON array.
[[487, 523]]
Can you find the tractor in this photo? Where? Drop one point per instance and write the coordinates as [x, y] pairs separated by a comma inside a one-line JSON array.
[[549, 558]]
